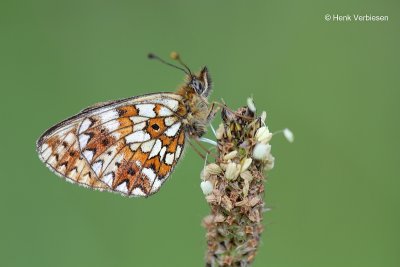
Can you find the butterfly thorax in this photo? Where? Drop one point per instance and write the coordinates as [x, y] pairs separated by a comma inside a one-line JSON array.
[[197, 112]]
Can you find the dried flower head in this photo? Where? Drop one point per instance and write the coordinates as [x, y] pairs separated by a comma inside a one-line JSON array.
[[237, 198]]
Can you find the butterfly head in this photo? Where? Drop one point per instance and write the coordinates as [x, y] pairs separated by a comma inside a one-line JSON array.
[[200, 83]]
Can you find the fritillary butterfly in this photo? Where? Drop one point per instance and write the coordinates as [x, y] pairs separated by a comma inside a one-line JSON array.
[[129, 146]]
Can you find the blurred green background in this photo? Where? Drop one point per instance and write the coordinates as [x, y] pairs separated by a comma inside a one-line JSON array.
[[334, 193]]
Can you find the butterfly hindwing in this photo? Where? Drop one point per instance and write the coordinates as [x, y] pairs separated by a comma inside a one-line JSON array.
[[129, 146], [58, 148]]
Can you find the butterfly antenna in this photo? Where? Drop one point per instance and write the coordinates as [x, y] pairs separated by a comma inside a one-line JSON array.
[[152, 56], [175, 56]]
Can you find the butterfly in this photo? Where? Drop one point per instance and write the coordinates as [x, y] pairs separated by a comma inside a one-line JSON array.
[[129, 146]]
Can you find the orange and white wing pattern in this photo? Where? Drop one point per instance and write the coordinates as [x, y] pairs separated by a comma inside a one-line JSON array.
[[128, 146]]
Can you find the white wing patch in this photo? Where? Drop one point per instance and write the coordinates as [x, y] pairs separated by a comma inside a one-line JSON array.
[[111, 125], [88, 155], [137, 137], [172, 104], [156, 185], [147, 146], [138, 192], [150, 174], [85, 125], [108, 179], [134, 146], [172, 130], [97, 167], [122, 188], [178, 152], [170, 120], [138, 119], [163, 112], [83, 140], [156, 149], [109, 115], [162, 152], [139, 126], [169, 158], [146, 110]]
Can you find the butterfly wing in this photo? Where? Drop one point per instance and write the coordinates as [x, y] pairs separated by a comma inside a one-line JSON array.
[[128, 146]]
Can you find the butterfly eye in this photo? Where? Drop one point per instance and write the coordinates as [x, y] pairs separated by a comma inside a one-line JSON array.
[[197, 86]]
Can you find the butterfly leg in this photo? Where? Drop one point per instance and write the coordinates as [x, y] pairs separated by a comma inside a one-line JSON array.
[[204, 157], [211, 114], [213, 129], [205, 149], [208, 141], [217, 105], [197, 150], [213, 110]]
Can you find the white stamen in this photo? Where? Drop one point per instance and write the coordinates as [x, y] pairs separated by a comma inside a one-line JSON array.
[[288, 135], [250, 104], [263, 117]]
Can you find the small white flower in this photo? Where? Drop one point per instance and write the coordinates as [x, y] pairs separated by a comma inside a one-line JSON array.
[[246, 175], [230, 155], [207, 187], [270, 162], [246, 164], [263, 116], [219, 133], [263, 135], [213, 168], [250, 104], [288, 135], [246, 188], [261, 151], [204, 174], [232, 171]]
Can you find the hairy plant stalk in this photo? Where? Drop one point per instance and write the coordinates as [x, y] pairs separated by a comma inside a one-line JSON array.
[[234, 188]]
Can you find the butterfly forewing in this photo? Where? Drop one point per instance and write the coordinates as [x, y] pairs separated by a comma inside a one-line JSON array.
[[129, 146]]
